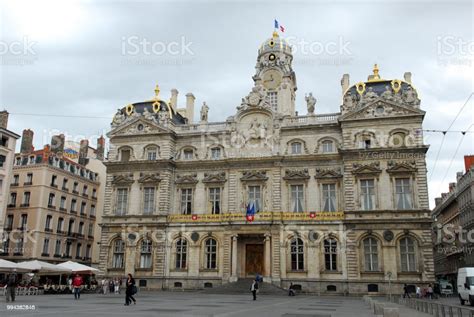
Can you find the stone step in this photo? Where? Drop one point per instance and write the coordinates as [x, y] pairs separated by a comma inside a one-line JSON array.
[[242, 286]]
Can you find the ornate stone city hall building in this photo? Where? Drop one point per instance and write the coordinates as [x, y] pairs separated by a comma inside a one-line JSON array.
[[340, 199]]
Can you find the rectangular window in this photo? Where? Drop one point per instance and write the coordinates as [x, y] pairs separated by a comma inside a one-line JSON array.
[[330, 254], [145, 254], [47, 225], [90, 231], [125, 155], [53, 181], [216, 153], [73, 205], [29, 179], [273, 99], [151, 154], [78, 250], [329, 197], [367, 194], [403, 196], [57, 248], [60, 225], [297, 198], [118, 256], [74, 188], [12, 200], [254, 198], [84, 190], [88, 251], [51, 200], [24, 222], [16, 180], [26, 199], [46, 247], [215, 200], [62, 203], [92, 211], [327, 147], [83, 208], [296, 148], [81, 228], [188, 154], [122, 201], [186, 201], [148, 200], [65, 184], [9, 223], [94, 193]]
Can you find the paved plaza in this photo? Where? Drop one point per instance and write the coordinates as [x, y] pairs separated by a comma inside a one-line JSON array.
[[189, 304]]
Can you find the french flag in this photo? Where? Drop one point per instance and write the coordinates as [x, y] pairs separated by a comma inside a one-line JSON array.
[[279, 26]]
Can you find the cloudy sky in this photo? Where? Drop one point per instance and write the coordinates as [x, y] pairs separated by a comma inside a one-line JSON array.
[[66, 66]]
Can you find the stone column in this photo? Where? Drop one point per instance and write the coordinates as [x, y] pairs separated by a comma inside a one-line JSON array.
[[233, 275], [268, 258]]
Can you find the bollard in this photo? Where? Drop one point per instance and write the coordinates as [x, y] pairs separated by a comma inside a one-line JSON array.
[[378, 309], [390, 312]]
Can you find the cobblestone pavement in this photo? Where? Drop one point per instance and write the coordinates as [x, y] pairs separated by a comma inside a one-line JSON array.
[[187, 304]]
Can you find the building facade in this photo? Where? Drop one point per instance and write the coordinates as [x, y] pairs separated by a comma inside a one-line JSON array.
[[7, 151], [334, 203], [453, 225], [53, 205]]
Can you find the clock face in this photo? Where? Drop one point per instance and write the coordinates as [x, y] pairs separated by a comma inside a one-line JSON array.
[[272, 79]]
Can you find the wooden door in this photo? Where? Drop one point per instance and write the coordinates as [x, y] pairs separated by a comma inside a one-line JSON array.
[[253, 259]]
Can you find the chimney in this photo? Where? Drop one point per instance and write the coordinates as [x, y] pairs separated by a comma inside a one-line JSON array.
[[468, 162], [458, 176], [407, 77], [57, 143], [83, 149], [174, 98], [345, 83], [438, 201], [27, 141], [100, 148], [3, 119], [190, 107]]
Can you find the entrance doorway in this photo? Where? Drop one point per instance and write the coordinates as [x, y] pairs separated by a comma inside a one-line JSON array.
[[253, 259]]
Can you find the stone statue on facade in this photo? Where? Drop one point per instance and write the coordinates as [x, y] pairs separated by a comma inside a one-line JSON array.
[[347, 103], [119, 117], [204, 112], [387, 94], [410, 97], [310, 103], [147, 114]]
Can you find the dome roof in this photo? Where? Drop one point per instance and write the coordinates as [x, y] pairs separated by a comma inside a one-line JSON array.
[[275, 44]]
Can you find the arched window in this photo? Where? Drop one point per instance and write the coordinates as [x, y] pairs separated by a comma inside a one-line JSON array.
[[330, 254], [371, 254], [327, 146], [297, 254], [188, 154], [296, 148], [210, 254], [181, 253], [407, 255], [151, 153], [216, 153], [145, 254], [118, 256]]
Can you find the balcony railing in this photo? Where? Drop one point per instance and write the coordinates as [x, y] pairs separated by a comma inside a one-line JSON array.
[[51, 206], [11, 205], [14, 184], [60, 232], [25, 205], [62, 209], [48, 230]]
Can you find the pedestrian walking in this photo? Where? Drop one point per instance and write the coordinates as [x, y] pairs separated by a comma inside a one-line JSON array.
[[418, 292], [430, 291], [254, 289], [291, 291], [104, 285], [130, 291], [77, 284], [405, 291], [111, 286], [116, 286], [12, 283]]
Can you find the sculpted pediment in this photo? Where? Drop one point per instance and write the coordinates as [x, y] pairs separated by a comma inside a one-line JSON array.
[[184, 179], [149, 178], [122, 180], [137, 125], [381, 108], [372, 168], [322, 173], [301, 174], [401, 167], [248, 176], [214, 177]]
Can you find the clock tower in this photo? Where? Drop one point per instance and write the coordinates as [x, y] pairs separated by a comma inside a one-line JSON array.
[[275, 74]]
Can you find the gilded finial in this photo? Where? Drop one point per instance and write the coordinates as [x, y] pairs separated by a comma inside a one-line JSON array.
[[275, 34], [375, 75], [157, 91]]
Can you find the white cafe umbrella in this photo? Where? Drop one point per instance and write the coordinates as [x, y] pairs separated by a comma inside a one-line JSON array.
[[7, 266], [43, 267], [78, 267]]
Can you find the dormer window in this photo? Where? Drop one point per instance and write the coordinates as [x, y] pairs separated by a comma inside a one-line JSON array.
[[18, 161], [188, 154], [216, 153], [328, 146], [296, 148], [32, 160]]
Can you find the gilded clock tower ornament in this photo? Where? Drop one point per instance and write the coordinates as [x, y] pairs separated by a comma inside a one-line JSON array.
[[272, 79]]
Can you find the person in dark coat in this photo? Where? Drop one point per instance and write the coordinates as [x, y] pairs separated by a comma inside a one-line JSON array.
[[130, 290], [12, 283], [405, 291], [254, 289], [291, 290]]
